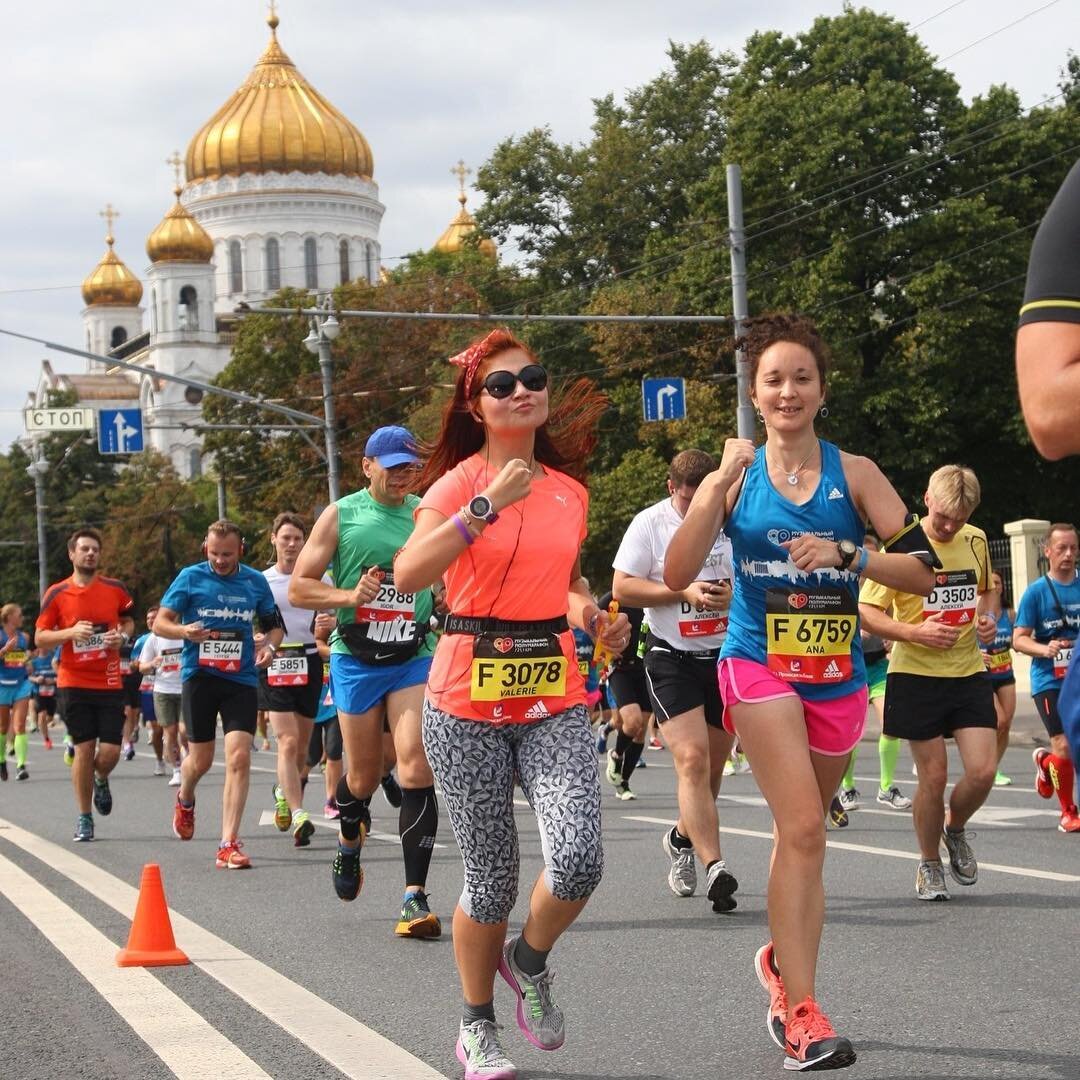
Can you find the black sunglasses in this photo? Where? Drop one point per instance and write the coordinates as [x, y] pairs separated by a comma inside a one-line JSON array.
[[500, 384]]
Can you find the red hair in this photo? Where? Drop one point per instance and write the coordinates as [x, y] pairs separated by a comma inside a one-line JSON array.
[[564, 441]]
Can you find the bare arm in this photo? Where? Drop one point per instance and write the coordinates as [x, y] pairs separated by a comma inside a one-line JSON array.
[[931, 632], [49, 639], [306, 587], [1023, 641], [435, 543], [167, 624], [1048, 378]]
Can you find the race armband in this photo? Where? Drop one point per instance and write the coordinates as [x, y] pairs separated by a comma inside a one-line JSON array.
[[911, 540], [273, 621]]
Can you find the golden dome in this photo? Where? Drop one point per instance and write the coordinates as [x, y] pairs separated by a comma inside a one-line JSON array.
[[179, 237], [453, 239], [277, 122], [111, 282]]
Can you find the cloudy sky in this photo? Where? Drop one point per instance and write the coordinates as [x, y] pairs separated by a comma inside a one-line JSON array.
[[100, 94]]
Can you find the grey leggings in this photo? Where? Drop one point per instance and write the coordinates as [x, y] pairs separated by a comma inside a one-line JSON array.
[[554, 759]]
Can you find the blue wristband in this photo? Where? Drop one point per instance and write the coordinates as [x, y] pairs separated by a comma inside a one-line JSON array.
[[864, 558]]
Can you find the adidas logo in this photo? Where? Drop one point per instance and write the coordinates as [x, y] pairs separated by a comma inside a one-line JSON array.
[[832, 671], [836, 493], [965, 617], [537, 711]]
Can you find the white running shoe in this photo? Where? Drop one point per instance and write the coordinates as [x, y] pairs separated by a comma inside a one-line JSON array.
[[175, 781], [159, 767]]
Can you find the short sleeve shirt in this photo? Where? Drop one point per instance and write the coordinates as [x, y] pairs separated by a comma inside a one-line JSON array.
[[1038, 611], [166, 678], [1052, 292]]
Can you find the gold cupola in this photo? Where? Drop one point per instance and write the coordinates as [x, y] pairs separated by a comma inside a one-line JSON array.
[[111, 282], [464, 224], [277, 122], [179, 237]]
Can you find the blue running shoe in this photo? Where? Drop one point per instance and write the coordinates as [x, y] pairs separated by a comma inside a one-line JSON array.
[[84, 828], [102, 796]]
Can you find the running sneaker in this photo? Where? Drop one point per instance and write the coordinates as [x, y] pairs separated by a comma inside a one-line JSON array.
[[230, 857], [682, 877], [962, 864], [623, 792], [391, 789], [849, 799], [642, 763], [347, 873], [811, 1042], [102, 796], [183, 820], [930, 881], [729, 767], [69, 752], [3, 769], [895, 798], [48, 743], [1044, 785], [84, 828], [613, 772], [1001, 780], [174, 780], [417, 919], [721, 884], [282, 813], [837, 816], [479, 1051], [769, 977], [602, 733], [149, 735], [128, 751], [303, 828], [159, 767], [540, 1019], [21, 773], [1070, 821], [331, 811], [742, 765]]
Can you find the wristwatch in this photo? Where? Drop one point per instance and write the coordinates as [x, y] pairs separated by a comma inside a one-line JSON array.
[[848, 551], [481, 509]]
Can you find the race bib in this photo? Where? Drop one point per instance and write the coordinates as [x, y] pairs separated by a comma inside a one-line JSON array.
[[954, 597], [809, 634], [94, 647], [695, 624], [507, 667], [15, 659], [170, 661], [289, 667], [998, 663], [583, 668], [222, 651], [390, 604], [125, 665], [46, 690], [1062, 661]]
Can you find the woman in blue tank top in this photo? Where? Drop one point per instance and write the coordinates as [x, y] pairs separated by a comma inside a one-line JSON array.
[[998, 659], [791, 670]]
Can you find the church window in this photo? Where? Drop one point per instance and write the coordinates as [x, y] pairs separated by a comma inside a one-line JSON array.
[[273, 265], [236, 267], [311, 264], [189, 308], [343, 260], [118, 337]]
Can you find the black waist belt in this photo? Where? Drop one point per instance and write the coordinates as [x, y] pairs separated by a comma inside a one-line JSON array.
[[466, 624], [654, 642]]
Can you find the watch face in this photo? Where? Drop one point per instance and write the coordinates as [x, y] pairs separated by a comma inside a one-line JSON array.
[[480, 507]]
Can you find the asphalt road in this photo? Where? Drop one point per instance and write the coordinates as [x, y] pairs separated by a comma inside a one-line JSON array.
[[290, 982]]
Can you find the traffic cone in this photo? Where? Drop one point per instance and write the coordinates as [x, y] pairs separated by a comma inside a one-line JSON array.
[[151, 942]]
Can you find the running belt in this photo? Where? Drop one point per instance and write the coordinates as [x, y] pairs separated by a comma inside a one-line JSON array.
[[467, 624]]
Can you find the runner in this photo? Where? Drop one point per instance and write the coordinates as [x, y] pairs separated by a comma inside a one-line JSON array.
[[380, 656], [686, 629], [937, 686], [43, 678], [292, 684], [15, 688], [89, 616], [131, 679], [159, 662], [1047, 625], [326, 732], [146, 693], [997, 656], [210, 607], [791, 669], [502, 524]]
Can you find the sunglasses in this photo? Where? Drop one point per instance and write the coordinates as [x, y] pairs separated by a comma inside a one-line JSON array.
[[500, 384]]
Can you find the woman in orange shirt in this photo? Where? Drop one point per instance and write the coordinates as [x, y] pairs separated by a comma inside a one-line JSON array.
[[503, 523]]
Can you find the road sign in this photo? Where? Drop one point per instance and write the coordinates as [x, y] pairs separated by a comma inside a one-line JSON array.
[[73, 418], [664, 399], [120, 431]]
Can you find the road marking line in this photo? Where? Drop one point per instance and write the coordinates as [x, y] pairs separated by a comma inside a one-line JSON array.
[[164, 1021], [867, 849], [333, 1035], [267, 818]]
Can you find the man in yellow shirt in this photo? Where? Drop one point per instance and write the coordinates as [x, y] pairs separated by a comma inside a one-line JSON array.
[[937, 686]]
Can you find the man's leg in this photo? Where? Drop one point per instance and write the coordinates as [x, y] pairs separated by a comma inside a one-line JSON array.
[[82, 774], [928, 813], [978, 752], [286, 729], [688, 740], [361, 736], [237, 779], [720, 745]]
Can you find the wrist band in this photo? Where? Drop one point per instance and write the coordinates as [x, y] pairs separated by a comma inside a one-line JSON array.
[[864, 558], [463, 529]]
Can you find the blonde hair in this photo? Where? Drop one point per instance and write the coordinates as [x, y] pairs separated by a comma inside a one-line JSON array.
[[7, 611], [956, 488]]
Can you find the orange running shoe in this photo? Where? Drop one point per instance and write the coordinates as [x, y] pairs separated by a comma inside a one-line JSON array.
[[1070, 821], [1044, 785], [230, 857], [776, 1017], [183, 820], [811, 1041]]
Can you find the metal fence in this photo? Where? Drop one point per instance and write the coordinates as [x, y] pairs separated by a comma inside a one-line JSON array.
[[1001, 561]]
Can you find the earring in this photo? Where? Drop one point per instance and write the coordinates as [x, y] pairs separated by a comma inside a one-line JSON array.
[[823, 411], [760, 418]]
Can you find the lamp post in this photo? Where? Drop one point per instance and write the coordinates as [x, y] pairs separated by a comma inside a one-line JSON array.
[[37, 469], [324, 328]]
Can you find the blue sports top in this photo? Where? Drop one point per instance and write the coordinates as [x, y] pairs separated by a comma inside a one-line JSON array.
[[1039, 612], [803, 626], [13, 671], [998, 654], [228, 605]]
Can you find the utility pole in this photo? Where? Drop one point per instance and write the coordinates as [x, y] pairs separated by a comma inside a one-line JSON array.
[[744, 415], [37, 469], [324, 328], [222, 504]]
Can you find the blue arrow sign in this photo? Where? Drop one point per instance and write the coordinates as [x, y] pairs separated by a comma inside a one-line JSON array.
[[120, 431], [664, 399]]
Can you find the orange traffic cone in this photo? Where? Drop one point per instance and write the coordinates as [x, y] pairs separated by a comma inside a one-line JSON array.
[[151, 942]]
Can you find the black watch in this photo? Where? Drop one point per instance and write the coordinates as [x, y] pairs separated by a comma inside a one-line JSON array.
[[481, 509], [848, 551]]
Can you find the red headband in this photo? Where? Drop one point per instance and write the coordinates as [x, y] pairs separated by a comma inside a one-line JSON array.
[[471, 357]]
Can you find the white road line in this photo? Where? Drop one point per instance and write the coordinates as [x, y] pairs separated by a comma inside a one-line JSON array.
[[267, 818], [165, 1022], [333, 1035], [867, 849]]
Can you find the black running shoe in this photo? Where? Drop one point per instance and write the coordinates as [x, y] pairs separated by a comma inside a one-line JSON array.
[[3, 770], [722, 884], [21, 773], [102, 796], [347, 873], [392, 790]]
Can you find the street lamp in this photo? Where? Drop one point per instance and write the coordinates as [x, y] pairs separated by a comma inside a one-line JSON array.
[[324, 327], [37, 469]]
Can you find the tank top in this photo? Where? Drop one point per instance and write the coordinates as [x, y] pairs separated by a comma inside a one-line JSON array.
[[997, 656], [803, 626]]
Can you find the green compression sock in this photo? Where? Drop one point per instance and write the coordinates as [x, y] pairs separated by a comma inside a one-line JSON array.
[[849, 775], [888, 751], [21, 743]]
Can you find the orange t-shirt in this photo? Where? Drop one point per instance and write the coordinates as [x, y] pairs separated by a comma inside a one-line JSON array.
[[104, 602], [518, 570]]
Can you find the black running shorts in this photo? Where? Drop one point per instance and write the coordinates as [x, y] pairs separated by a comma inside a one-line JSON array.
[[630, 688], [325, 736], [920, 707], [93, 714], [1047, 704], [46, 705], [204, 697], [131, 691], [679, 682], [299, 699]]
